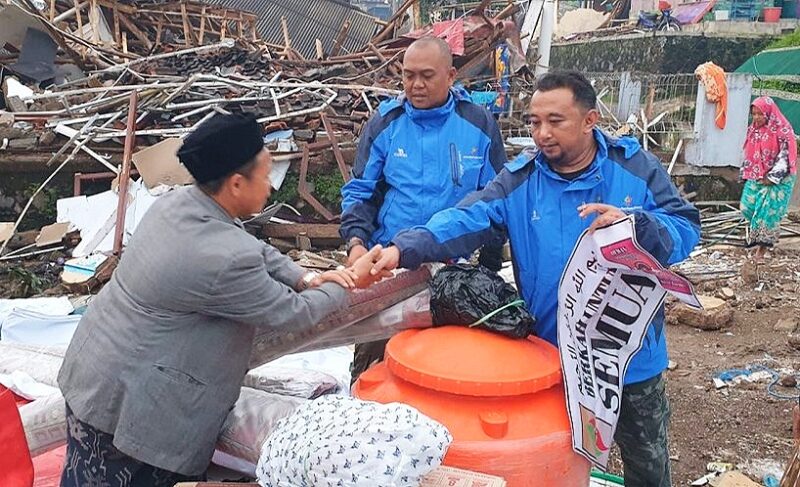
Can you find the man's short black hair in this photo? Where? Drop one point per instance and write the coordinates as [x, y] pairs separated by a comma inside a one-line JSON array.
[[580, 87]]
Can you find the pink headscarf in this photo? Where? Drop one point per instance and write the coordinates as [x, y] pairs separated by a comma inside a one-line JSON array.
[[762, 145]]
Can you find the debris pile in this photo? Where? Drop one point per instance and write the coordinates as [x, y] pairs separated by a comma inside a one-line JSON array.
[[70, 69]]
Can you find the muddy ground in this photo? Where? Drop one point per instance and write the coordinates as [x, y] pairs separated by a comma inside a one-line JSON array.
[[744, 424]]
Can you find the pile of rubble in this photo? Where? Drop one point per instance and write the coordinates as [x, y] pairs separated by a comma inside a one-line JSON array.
[[69, 70]]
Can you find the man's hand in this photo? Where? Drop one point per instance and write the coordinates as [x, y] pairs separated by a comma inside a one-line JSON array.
[[343, 277], [606, 214], [389, 260], [356, 252], [362, 268]]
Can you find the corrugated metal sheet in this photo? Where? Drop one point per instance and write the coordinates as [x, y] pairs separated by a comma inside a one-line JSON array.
[[308, 20]]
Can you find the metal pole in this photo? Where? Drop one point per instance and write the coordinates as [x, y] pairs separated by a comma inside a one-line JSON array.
[[546, 37], [125, 174]]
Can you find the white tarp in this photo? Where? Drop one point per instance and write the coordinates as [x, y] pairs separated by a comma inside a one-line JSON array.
[[31, 328], [610, 290], [51, 306]]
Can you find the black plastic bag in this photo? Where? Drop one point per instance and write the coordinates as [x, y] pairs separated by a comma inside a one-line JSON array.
[[463, 295]]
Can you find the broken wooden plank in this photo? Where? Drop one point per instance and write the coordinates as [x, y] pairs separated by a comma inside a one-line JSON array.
[[202, 25], [223, 28], [320, 50], [341, 36], [94, 21], [305, 194], [125, 174], [159, 29], [337, 151], [117, 36], [287, 41], [311, 230], [78, 14], [391, 23], [675, 157], [136, 32], [187, 29]]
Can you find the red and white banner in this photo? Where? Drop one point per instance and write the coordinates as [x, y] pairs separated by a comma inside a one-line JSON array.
[[610, 290]]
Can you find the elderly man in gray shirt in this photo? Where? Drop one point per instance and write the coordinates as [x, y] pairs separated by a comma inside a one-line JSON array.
[[158, 359]]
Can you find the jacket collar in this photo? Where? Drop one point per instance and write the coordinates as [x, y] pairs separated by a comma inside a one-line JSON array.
[[629, 145], [211, 208], [434, 116]]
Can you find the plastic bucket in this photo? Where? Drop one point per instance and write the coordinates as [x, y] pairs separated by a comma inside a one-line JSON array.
[[772, 14]]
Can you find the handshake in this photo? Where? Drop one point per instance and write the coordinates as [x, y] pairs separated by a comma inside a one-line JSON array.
[[364, 268]]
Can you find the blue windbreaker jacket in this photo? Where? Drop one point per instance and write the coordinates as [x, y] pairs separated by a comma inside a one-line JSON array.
[[413, 163], [538, 209]]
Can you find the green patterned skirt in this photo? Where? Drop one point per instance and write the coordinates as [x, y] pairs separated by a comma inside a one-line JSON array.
[[764, 206]]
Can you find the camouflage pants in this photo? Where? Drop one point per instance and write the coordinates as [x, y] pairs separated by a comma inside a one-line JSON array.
[[642, 434]]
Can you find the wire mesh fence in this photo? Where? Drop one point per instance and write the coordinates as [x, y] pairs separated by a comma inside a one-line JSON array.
[[658, 109]]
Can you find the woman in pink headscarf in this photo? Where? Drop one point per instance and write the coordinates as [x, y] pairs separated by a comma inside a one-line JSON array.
[[769, 171]]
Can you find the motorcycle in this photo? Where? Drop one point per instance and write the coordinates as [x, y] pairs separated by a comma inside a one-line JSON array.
[[663, 21]]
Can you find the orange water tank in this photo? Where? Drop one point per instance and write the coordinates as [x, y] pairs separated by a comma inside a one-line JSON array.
[[501, 399]]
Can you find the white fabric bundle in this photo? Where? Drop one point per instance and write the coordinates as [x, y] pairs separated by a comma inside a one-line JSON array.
[[343, 441]]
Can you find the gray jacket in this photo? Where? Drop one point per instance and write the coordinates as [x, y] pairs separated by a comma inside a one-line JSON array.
[[158, 359]]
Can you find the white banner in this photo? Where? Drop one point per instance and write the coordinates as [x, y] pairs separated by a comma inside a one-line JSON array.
[[610, 290]]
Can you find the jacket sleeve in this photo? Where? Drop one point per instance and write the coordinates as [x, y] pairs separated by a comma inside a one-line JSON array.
[[480, 217], [282, 268], [667, 226], [256, 290], [363, 195]]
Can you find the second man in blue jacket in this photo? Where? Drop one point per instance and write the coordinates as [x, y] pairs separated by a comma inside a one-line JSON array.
[[419, 153]]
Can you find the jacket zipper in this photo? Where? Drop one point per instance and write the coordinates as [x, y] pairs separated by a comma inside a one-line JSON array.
[[454, 172]]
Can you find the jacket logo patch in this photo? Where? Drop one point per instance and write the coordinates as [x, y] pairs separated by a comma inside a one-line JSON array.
[[473, 154], [400, 152], [627, 205], [535, 217]]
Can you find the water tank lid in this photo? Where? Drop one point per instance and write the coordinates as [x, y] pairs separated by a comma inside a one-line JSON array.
[[473, 362]]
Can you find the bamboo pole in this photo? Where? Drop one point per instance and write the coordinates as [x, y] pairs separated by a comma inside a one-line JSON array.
[[125, 174]]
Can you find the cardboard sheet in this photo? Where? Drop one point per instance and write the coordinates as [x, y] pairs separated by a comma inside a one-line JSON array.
[[52, 234], [159, 164]]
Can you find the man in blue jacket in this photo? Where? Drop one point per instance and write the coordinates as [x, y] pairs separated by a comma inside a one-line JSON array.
[[420, 153], [542, 199]]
